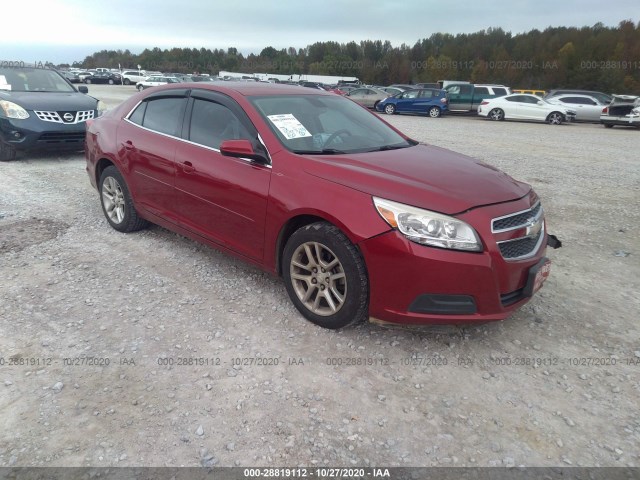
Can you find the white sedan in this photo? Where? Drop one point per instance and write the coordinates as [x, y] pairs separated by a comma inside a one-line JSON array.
[[155, 81], [521, 106]]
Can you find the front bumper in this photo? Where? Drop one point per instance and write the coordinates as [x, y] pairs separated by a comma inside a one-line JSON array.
[[35, 134], [416, 284]]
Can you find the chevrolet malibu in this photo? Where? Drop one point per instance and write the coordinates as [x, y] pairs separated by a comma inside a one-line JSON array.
[[361, 221]]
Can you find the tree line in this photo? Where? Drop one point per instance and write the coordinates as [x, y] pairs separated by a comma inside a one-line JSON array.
[[597, 57]]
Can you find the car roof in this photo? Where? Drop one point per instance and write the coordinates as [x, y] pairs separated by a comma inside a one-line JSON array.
[[249, 88]]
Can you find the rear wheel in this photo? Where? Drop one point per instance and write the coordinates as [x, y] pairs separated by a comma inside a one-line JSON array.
[[606, 125], [139, 87], [496, 114], [390, 109], [110, 82], [434, 112], [7, 152], [116, 202], [325, 276], [87, 81], [127, 81], [555, 118]]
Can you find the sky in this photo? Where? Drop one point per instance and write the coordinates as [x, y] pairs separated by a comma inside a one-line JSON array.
[[63, 31]]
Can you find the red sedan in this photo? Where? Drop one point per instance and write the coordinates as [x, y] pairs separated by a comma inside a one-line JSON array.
[[360, 220]]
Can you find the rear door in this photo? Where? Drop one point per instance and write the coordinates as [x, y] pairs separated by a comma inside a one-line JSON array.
[[221, 198], [148, 139], [460, 97]]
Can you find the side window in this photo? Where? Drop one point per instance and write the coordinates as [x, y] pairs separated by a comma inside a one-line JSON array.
[[426, 93], [515, 98], [500, 91], [465, 89], [410, 94], [138, 114], [482, 90], [164, 115], [212, 123]]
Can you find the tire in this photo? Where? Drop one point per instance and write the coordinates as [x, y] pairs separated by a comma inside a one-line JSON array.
[[140, 88], [375, 105], [496, 114], [116, 202], [608, 126], [127, 81], [334, 298], [434, 112], [7, 152], [555, 118], [87, 81], [390, 109], [111, 82]]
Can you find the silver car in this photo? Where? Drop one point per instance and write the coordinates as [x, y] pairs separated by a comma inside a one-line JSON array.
[[588, 108], [367, 97]]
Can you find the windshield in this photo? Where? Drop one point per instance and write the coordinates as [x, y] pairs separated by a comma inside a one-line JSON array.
[[314, 124], [33, 80]]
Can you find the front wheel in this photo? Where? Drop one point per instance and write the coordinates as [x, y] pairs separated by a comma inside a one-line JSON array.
[[127, 81], [116, 202], [434, 112], [555, 118], [606, 125], [496, 114], [87, 81], [140, 88], [110, 82], [325, 276], [7, 152], [390, 109]]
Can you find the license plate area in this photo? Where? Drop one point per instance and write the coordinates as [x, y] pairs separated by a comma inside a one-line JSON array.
[[537, 276]]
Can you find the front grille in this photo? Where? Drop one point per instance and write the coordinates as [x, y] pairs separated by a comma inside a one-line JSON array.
[[518, 220], [58, 117], [62, 137], [531, 222], [521, 247]]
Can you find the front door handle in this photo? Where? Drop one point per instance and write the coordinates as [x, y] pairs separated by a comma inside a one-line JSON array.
[[187, 167]]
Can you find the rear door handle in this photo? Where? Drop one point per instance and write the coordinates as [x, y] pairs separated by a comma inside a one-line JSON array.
[[187, 167]]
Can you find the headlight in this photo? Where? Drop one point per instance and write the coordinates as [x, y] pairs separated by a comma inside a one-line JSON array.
[[102, 107], [13, 110], [428, 228]]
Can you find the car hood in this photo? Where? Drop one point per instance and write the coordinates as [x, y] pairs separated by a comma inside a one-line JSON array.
[[423, 176], [52, 101]]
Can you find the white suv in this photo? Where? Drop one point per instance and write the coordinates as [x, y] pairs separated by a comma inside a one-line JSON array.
[[131, 77]]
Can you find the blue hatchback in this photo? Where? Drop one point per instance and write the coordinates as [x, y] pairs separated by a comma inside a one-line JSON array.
[[431, 101]]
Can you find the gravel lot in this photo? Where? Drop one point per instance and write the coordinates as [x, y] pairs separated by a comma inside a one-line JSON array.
[[96, 327]]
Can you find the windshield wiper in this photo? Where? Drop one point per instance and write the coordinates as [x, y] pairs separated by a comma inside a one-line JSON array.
[[389, 147], [324, 151]]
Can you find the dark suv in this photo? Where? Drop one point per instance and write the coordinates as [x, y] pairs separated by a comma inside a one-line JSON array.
[[40, 109]]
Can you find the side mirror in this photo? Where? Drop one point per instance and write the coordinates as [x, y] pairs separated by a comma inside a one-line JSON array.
[[241, 149], [83, 89]]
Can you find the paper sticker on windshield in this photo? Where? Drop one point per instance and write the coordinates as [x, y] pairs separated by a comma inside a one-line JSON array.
[[289, 126]]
